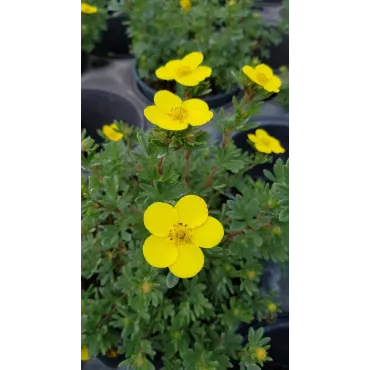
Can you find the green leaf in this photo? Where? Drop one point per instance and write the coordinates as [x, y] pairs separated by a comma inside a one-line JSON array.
[[171, 280], [269, 175], [284, 215], [253, 367]]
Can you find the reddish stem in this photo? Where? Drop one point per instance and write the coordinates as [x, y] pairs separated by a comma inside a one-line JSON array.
[[209, 182], [160, 166]]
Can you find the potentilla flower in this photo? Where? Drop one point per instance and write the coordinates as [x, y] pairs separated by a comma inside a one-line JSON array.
[[178, 233], [88, 9], [265, 143], [112, 133], [261, 354], [84, 354], [186, 71], [263, 76], [171, 113], [185, 4]]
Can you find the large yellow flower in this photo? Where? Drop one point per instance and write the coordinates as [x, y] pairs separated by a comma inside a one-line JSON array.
[[88, 9], [264, 76], [171, 113], [177, 234], [265, 143], [84, 354], [112, 133], [186, 71]]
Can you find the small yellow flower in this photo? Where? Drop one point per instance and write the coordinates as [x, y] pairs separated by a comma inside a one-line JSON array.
[[261, 354], [186, 71], [264, 76], [251, 275], [112, 353], [272, 307], [88, 9], [178, 233], [111, 132], [185, 4], [265, 143], [84, 354], [256, 15], [171, 113]]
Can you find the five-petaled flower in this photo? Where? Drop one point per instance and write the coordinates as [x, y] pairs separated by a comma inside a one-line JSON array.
[[171, 113], [112, 133], [88, 9], [186, 71], [84, 354], [177, 233], [185, 4], [265, 143], [264, 76]]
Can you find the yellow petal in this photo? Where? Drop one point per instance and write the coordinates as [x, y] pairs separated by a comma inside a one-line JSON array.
[[158, 117], [198, 112], [192, 211], [159, 218], [202, 72], [166, 100], [88, 9], [193, 60], [209, 234], [263, 148], [164, 73], [252, 138], [189, 261], [262, 134], [276, 146], [173, 66], [110, 132], [273, 84], [187, 80], [249, 72], [159, 252], [84, 354], [265, 70]]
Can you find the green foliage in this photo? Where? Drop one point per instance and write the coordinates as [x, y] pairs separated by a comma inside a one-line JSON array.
[[142, 311], [283, 96], [229, 36]]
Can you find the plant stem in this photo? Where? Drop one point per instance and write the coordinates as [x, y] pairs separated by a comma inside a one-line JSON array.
[[160, 166], [210, 179], [103, 206], [187, 162]]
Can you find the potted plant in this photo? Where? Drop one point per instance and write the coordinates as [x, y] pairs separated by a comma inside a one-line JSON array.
[[171, 259], [162, 31]]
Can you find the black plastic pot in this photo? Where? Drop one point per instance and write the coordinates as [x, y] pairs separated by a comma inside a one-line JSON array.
[[276, 127], [84, 62], [114, 41], [111, 362], [100, 108], [213, 101], [268, 2]]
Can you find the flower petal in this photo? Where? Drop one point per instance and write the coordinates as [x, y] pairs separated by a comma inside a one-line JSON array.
[[165, 100], [265, 70], [273, 84], [262, 134], [263, 148], [159, 218], [193, 60], [189, 262], [276, 146], [250, 72], [252, 138], [159, 252], [158, 117], [192, 211], [198, 112], [164, 73], [209, 234], [202, 72], [187, 80], [110, 132]]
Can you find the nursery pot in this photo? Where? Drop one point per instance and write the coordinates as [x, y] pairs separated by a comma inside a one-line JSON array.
[[275, 126], [84, 62], [100, 108], [213, 101], [114, 41]]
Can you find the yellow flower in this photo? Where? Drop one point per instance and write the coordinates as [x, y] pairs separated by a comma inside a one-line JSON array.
[[272, 307], [84, 354], [111, 132], [171, 113], [88, 9], [265, 143], [186, 71], [185, 4], [251, 275], [264, 76], [261, 354], [177, 233]]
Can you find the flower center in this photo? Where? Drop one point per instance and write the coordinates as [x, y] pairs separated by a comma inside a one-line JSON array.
[[261, 77], [178, 113], [266, 141], [183, 71], [180, 234]]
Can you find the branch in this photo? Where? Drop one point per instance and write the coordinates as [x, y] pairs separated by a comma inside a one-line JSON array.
[[210, 179]]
